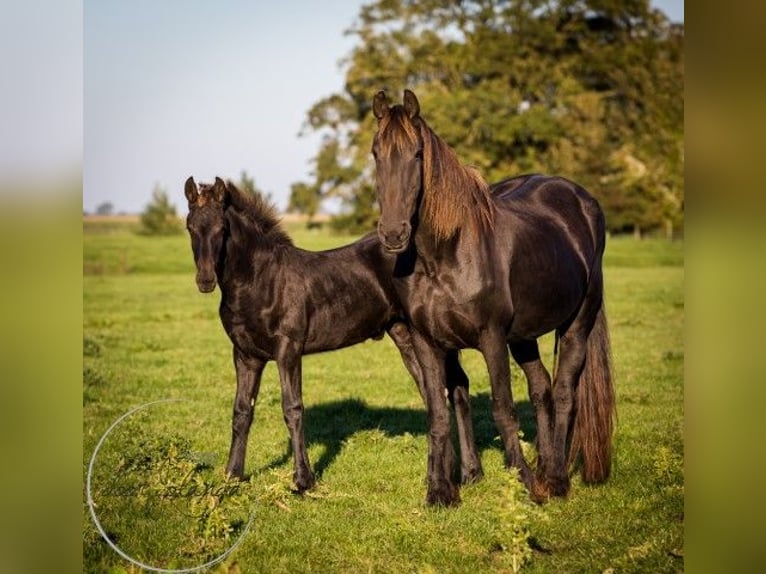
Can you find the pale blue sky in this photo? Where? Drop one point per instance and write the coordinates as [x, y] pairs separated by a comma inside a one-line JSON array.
[[174, 88]]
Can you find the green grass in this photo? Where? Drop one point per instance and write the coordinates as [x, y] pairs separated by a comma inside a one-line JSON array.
[[148, 334]]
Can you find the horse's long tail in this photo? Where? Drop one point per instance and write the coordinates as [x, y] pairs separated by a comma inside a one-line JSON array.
[[595, 409]]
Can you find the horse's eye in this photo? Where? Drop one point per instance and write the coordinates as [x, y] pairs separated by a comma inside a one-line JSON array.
[[419, 154]]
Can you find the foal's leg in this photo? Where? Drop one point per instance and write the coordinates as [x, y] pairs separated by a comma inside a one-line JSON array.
[[495, 351], [249, 373], [289, 363], [441, 455], [459, 397], [400, 335], [527, 355]]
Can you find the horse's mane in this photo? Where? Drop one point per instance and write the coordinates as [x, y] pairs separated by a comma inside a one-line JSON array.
[[451, 191], [257, 213]]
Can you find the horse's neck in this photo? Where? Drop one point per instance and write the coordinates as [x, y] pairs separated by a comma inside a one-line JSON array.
[[246, 246], [431, 250], [238, 249]]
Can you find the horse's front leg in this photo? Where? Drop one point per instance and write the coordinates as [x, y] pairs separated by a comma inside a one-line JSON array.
[[457, 389], [249, 373], [441, 455], [495, 351], [289, 364]]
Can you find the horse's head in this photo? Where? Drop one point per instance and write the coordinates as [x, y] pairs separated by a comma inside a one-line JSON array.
[[206, 225], [398, 152]]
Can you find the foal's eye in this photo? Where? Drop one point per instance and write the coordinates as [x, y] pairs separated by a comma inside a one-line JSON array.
[[419, 154]]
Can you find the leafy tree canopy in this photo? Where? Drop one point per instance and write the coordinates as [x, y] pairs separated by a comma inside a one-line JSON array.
[[588, 89]]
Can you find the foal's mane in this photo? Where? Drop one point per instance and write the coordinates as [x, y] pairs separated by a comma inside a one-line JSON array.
[[451, 191], [258, 214]]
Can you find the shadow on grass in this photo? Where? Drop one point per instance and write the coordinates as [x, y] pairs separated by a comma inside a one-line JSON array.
[[332, 424]]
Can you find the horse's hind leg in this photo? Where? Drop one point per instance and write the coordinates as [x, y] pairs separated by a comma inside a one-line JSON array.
[[249, 373], [573, 345], [289, 364], [460, 399], [400, 335], [495, 350], [527, 355]]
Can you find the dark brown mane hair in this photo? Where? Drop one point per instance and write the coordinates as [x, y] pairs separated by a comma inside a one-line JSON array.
[[258, 213], [451, 190]]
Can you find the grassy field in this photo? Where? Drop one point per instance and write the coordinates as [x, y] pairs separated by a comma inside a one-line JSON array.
[[157, 482]]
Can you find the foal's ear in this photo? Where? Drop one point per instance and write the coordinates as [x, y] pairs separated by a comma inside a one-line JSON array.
[[380, 105], [190, 190], [411, 105], [219, 189]]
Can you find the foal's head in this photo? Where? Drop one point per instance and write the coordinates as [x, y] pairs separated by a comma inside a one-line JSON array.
[[206, 225]]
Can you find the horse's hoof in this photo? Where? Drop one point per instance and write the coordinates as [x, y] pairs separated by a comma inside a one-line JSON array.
[[540, 491], [471, 476], [235, 474], [444, 496], [559, 487]]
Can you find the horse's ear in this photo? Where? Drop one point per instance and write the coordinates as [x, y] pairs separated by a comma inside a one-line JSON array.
[[380, 105], [411, 105], [219, 190], [190, 190]]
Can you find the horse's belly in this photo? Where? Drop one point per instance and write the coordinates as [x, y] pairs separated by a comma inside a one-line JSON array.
[[345, 324]]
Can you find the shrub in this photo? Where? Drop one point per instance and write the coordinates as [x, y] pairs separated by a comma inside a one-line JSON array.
[[160, 217]]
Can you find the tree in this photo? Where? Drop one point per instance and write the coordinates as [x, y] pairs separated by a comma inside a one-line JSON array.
[[247, 184], [304, 198], [585, 89], [106, 208], [159, 216]]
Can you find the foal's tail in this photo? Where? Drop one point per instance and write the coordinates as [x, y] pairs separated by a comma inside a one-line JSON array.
[[595, 408]]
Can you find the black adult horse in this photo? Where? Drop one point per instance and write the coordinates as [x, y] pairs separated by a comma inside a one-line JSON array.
[[493, 269], [279, 302]]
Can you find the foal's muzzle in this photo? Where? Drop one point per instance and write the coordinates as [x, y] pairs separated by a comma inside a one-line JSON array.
[[205, 284]]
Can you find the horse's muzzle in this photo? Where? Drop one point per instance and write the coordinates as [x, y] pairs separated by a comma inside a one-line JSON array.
[[395, 240]]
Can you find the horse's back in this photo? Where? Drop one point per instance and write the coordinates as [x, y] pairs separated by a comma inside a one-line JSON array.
[[553, 202]]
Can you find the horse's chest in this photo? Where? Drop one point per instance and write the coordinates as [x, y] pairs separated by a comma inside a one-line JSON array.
[[448, 310], [250, 325]]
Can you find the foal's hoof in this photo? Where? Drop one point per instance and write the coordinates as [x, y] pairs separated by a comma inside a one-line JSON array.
[[304, 484], [443, 495]]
